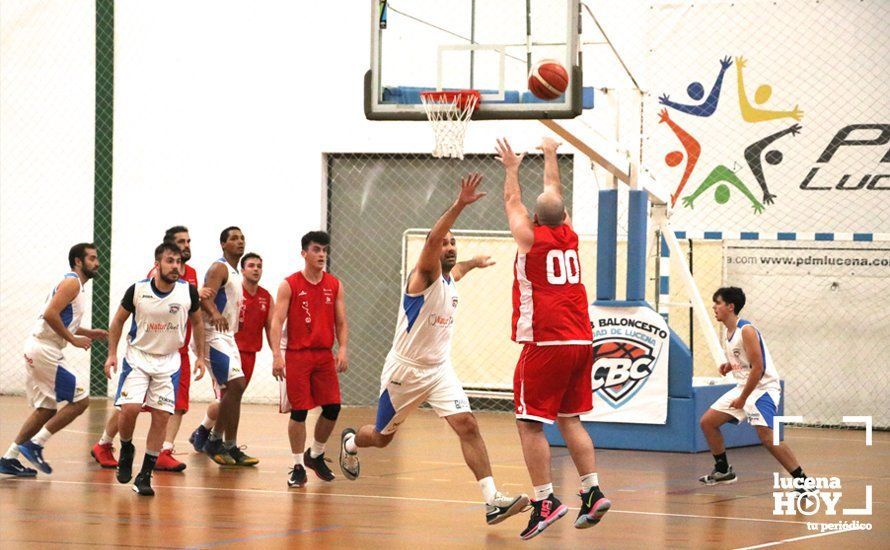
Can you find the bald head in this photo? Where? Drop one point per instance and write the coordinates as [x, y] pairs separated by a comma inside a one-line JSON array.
[[550, 209]]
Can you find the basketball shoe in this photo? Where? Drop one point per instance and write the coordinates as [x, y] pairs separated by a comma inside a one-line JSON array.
[[34, 453], [504, 506], [12, 467], [218, 453], [544, 513], [142, 485], [318, 465], [297, 477], [166, 462], [348, 461], [104, 455], [717, 477], [594, 506], [199, 437]]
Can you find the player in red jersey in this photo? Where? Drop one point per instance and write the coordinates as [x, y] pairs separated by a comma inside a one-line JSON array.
[[255, 316], [312, 301], [552, 378], [103, 451]]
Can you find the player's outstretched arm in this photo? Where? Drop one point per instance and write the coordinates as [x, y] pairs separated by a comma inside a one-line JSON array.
[[341, 361], [552, 182], [517, 216], [428, 265], [65, 293], [460, 269], [282, 303], [114, 337], [216, 277]]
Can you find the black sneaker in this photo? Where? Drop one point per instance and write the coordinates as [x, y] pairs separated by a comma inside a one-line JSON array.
[[199, 438], [594, 506], [218, 453], [242, 459], [544, 513], [349, 463], [142, 485], [318, 465], [297, 476], [504, 506], [12, 467], [719, 478], [125, 463]]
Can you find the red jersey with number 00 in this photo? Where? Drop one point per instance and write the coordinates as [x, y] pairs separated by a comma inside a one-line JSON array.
[[549, 300], [252, 319], [310, 316]]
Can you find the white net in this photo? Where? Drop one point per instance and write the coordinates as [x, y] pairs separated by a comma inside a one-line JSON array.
[[449, 114]]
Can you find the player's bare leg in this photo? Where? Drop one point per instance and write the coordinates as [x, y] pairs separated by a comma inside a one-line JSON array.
[[594, 504], [32, 449], [498, 506], [710, 425], [536, 452], [36, 420], [781, 452]]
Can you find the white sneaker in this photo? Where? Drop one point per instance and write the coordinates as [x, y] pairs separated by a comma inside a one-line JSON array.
[[504, 506]]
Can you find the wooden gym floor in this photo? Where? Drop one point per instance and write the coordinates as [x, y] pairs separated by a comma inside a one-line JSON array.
[[419, 494]]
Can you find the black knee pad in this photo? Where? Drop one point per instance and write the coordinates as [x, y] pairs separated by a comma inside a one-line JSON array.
[[298, 416], [331, 412]]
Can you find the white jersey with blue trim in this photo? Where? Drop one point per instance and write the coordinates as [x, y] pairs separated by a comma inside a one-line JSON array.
[[426, 324], [71, 316], [228, 299], [734, 349], [159, 321]]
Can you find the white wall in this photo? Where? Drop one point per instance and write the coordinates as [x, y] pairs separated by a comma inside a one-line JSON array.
[[47, 65]]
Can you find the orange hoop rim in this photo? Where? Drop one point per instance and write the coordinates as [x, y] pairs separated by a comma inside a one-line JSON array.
[[460, 97]]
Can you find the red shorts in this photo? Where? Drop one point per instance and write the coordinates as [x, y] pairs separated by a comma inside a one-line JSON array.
[[248, 359], [311, 379], [552, 381], [185, 379]]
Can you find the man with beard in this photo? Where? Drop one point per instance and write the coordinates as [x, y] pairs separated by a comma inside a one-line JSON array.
[[418, 368], [49, 380], [221, 310], [161, 307], [103, 451]]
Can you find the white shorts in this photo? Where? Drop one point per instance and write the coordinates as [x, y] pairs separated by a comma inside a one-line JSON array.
[[759, 410], [49, 380], [404, 387], [149, 383], [223, 358]]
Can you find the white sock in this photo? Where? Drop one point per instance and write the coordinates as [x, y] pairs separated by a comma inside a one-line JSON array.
[[105, 439], [588, 481], [12, 452], [208, 423], [167, 445], [488, 489], [350, 445], [42, 437], [543, 491], [298, 459], [317, 449]]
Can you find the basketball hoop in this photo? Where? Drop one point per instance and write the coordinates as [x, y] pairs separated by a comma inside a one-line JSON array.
[[449, 112]]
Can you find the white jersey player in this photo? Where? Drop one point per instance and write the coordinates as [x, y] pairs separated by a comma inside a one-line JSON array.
[[49, 380], [221, 310], [418, 368], [755, 398], [161, 307]]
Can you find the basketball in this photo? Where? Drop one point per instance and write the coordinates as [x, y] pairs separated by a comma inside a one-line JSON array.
[[548, 79]]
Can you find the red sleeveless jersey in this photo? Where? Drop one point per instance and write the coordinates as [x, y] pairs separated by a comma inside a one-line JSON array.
[[310, 316], [252, 319], [549, 300], [191, 277]]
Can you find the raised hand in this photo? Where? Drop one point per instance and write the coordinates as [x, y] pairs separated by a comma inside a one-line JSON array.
[[506, 154], [482, 261], [768, 198], [468, 185], [548, 144], [687, 202], [796, 114], [726, 62], [663, 116], [664, 99], [740, 62], [795, 129]]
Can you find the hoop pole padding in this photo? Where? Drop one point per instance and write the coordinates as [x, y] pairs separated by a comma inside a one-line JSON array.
[[664, 278], [636, 244], [606, 244], [698, 305]]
